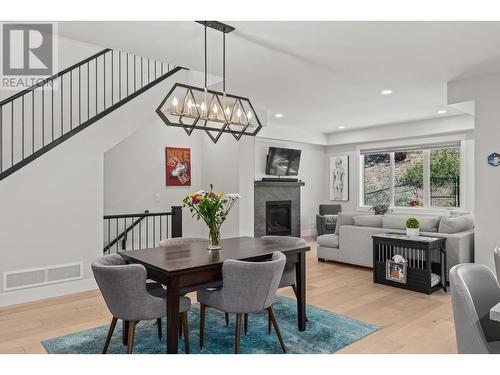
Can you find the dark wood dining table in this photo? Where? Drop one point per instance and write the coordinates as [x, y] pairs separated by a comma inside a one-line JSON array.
[[187, 266]]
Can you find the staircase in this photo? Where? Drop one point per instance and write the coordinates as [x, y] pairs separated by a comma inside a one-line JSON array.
[[43, 116]]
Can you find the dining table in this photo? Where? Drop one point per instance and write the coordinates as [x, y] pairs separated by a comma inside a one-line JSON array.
[[191, 265]]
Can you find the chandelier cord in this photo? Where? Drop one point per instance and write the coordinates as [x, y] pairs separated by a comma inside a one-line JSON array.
[[224, 63], [205, 57]]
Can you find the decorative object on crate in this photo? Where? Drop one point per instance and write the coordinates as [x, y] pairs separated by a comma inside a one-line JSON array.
[[178, 166], [380, 208], [213, 209], [396, 269], [412, 227], [339, 178], [494, 159]]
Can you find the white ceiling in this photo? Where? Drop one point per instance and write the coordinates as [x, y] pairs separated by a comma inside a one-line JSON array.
[[321, 75]]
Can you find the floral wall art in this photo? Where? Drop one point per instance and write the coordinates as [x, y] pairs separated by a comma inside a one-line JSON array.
[[178, 166]]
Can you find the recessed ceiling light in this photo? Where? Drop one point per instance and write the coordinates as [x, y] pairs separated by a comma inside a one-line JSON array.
[[278, 115], [386, 92], [341, 127], [442, 111]]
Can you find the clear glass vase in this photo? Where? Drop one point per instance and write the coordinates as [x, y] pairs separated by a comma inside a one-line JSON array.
[[214, 238]]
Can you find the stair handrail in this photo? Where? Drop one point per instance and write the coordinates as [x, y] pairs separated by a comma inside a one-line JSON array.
[[53, 77]]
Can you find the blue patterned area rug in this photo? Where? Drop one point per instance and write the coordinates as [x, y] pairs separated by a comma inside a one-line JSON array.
[[326, 332]]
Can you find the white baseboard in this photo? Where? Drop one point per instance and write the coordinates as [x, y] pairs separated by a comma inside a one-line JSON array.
[[308, 233], [48, 291]]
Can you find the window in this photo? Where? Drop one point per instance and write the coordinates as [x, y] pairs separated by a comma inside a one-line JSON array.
[[428, 177]]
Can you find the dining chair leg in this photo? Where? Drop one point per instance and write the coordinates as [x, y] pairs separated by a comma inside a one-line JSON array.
[[158, 323], [268, 322], [276, 328], [238, 334], [226, 316], [110, 334], [124, 332], [180, 326], [131, 334], [202, 324], [294, 287], [185, 326], [246, 323]]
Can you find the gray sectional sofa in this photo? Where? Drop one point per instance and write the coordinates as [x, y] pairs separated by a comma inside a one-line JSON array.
[[352, 241]]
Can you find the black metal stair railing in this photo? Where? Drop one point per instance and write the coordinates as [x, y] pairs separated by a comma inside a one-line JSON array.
[[139, 231], [43, 116]]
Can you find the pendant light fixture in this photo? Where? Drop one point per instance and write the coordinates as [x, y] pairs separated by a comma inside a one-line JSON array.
[[192, 107]]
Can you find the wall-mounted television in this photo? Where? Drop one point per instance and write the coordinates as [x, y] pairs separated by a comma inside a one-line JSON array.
[[283, 162]]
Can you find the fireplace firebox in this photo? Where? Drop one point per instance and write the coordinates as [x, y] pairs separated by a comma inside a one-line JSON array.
[[279, 218]]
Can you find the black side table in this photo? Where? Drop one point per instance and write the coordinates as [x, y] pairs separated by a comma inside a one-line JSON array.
[[424, 255]]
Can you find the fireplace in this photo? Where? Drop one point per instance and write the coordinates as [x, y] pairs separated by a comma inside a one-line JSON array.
[[278, 218]]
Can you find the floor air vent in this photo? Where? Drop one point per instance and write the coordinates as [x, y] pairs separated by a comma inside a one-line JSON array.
[[34, 277]]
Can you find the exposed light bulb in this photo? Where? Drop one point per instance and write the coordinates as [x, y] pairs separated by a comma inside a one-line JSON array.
[[228, 111], [190, 104], [175, 103], [215, 109], [249, 116], [238, 113]]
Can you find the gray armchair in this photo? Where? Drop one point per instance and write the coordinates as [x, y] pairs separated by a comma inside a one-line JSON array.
[[474, 291], [123, 287], [248, 287], [326, 221]]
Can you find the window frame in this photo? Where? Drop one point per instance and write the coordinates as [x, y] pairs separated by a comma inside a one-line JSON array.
[[426, 149]]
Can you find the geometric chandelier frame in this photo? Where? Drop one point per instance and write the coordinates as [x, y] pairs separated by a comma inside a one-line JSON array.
[[209, 110], [192, 107]]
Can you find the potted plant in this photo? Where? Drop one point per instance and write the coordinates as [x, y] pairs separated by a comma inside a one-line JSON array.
[[380, 208], [412, 227], [213, 209]]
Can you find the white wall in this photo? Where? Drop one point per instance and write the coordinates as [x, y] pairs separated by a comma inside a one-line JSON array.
[[52, 208], [135, 174], [311, 171], [485, 92]]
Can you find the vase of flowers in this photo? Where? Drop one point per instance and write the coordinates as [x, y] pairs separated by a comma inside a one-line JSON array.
[[213, 209]]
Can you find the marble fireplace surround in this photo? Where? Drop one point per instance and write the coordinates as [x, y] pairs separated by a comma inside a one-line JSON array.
[[276, 191]]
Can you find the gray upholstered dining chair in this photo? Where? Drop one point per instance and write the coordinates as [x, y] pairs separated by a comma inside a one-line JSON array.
[[474, 291], [248, 287], [179, 241], [288, 278], [496, 256], [123, 287]]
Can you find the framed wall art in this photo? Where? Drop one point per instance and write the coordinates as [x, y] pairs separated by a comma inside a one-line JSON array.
[[178, 166], [339, 178]]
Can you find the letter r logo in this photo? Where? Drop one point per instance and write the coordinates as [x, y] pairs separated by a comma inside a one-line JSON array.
[[27, 49]]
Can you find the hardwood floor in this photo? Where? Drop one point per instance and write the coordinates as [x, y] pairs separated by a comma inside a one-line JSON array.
[[410, 322]]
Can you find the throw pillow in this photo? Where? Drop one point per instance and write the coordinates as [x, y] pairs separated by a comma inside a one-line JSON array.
[[455, 224], [374, 221]]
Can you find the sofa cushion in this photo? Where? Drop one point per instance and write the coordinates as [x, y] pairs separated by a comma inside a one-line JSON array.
[[427, 223], [374, 221], [328, 240], [455, 224], [345, 218]]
